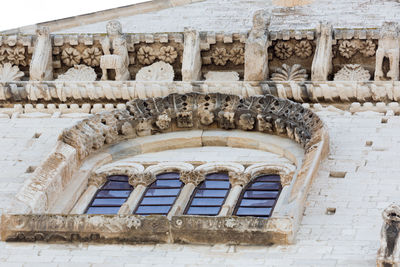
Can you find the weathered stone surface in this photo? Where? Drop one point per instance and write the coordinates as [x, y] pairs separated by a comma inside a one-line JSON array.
[[159, 71]]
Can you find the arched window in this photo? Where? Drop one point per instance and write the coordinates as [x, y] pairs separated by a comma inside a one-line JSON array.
[[160, 196], [210, 195], [110, 196], [259, 197]]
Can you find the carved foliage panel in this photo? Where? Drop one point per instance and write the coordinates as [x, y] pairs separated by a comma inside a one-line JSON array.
[[68, 55], [223, 53], [143, 54], [17, 51], [354, 51], [291, 53]]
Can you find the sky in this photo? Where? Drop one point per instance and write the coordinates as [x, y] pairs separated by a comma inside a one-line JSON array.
[[17, 13]]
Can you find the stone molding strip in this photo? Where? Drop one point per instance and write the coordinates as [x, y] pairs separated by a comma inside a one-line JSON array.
[[324, 92], [142, 229]]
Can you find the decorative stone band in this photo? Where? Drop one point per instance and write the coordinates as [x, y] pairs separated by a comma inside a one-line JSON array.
[[328, 91], [389, 251], [145, 229]]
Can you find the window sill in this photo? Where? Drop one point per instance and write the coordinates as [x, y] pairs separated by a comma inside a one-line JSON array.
[[147, 229]]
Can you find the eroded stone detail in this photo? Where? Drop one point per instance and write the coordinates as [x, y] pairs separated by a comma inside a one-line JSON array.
[[144, 178], [303, 49], [192, 176], [322, 61], [389, 251], [352, 72], [159, 71], [41, 66], [10, 73], [238, 178], [222, 76], [389, 48], [78, 73], [290, 73], [283, 50], [347, 48]]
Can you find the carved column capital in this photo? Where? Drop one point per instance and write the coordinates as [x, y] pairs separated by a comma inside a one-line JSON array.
[[193, 176], [239, 178], [97, 179], [144, 178]]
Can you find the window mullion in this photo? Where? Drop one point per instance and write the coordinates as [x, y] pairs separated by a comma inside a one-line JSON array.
[[238, 181], [134, 198]]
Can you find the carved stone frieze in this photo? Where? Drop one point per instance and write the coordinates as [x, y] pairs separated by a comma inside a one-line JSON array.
[[352, 72], [303, 49], [290, 73], [192, 176], [283, 50], [347, 48]]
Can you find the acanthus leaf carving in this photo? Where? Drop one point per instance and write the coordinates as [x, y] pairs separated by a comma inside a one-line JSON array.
[[144, 178], [10, 73], [239, 178]]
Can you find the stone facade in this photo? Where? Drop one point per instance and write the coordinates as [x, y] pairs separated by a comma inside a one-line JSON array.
[[314, 102]]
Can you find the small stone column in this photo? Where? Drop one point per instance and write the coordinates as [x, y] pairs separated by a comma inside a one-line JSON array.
[[389, 48], [322, 61], [191, 179], [139, 182], [41, 66], [389, 251], [191, 62], [96, 181], [238, 181], [256, 49]]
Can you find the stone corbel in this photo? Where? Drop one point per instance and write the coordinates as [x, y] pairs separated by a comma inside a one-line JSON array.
[[41, 66], [389, 251], [322, 62], [256, 48], [191, 62], [389, 48]]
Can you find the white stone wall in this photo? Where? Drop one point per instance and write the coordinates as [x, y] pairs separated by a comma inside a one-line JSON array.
[[350, 237], [236, 16]]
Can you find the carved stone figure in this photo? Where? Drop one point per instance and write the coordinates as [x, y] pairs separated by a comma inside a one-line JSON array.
[[389, 49], [41, 67], [389, 251], [322, 62], [115, 52], [352, 72], [159, 71], [290, 73], [10, 73], [78, 73], [256, 49]]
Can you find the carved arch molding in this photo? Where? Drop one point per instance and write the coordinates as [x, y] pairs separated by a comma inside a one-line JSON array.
[[28, 218]]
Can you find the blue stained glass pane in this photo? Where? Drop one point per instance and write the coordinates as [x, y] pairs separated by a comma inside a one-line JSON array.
[[258, 202], [168, 175], [114, 193], [203, 210], [264, 185], [108, 202], [214, 184], [162, 192], [103, 210], [218, 176], [261, 194], [207, 201], [157, 200], [121, 178], [166, 183], [253, 211], [153, 210], [269, 178], [117, 185], [211, 193]]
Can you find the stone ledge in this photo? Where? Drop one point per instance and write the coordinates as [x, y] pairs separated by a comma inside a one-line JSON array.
[[146, 229]]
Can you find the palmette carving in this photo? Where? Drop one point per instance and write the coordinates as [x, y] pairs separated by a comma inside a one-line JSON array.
[[290, 73], [10, 73], [352, 72]]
